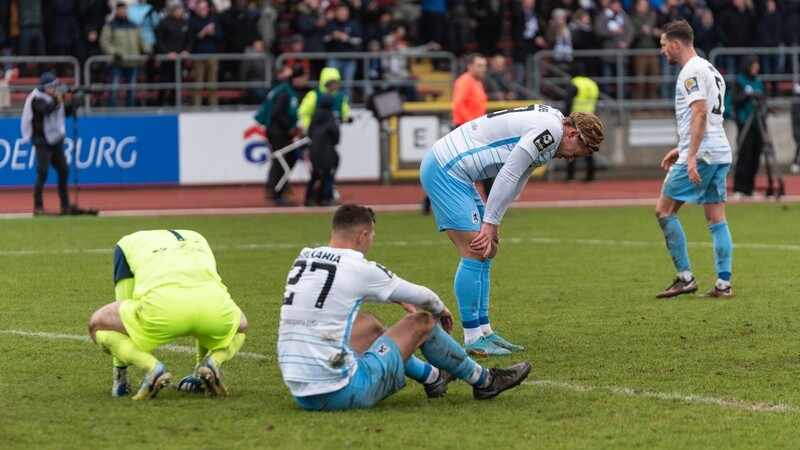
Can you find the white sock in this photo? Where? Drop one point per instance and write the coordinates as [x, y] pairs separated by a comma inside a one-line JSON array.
[[433, 376], [722, 284], [472, 334], [685, 275], [475, 376], [120, 375], [486, 330]]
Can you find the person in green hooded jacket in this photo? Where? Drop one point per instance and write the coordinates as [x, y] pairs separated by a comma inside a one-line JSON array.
[[330, 82]]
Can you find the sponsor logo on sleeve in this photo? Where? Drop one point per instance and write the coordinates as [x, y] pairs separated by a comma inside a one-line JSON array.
[[544, 140], [691, 85]]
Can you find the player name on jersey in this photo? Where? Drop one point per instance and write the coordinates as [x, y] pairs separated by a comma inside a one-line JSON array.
[[319, 254]]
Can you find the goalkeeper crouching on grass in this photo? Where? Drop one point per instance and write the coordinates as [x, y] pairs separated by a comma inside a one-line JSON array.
[[167, 286]]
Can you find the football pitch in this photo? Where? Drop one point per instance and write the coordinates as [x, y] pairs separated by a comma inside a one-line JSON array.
[[612, 366]]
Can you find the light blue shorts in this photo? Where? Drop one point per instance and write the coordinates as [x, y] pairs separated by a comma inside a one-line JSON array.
[[379, 374], [456, 205], [712, 188]]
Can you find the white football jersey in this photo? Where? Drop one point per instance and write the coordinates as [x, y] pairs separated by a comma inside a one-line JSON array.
[[699, 80], [478, 149], [324, 291]]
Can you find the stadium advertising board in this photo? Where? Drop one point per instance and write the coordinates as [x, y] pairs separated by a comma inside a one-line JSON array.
[[417, 136], [190, 148], [231, 148], [111, 150]]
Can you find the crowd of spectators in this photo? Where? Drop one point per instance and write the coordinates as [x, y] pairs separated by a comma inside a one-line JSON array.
[[195, 27]]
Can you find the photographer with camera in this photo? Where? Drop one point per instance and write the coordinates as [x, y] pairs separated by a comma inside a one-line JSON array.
[[44, 123], [749, 104]]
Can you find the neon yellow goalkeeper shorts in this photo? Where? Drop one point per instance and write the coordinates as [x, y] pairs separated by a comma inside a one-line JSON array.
[[207, 313]]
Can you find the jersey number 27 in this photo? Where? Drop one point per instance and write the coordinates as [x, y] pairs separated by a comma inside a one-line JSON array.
[[300, 268]]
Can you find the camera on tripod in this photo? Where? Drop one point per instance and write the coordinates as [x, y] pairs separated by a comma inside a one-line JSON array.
[[759, 103], [67, 89], [757, 122]]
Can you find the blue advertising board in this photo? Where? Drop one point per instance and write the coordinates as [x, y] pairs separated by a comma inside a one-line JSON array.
[[111, 150]]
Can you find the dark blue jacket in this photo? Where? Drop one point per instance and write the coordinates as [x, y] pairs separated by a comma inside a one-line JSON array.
[[207, 43], [350, 27]]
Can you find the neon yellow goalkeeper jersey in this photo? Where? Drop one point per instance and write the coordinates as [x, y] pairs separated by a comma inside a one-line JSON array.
[[156, 258]]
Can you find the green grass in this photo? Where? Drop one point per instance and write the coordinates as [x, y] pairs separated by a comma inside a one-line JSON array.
[[613, 366]]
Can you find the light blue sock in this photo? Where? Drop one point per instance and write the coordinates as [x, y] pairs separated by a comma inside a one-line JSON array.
[[676, 242], [443, 352], [417, 369], [723, 249], [467, 286], [483, 308]]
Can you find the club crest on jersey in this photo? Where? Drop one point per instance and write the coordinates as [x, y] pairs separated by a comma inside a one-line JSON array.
[[475, 218], [691, 85], [543, 140], [383, 349]]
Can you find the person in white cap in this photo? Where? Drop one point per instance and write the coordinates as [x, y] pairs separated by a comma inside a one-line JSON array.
[[44, 123]]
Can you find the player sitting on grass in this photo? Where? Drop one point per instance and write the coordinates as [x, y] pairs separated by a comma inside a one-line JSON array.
[[167, 286], [334, 358]]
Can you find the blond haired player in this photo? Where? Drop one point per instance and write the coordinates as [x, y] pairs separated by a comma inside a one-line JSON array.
[[507, 145]]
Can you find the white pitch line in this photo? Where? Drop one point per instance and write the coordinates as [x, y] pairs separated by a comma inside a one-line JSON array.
[[670, 396], [615, 390], [428, 242], [389, 208], [169, 347]]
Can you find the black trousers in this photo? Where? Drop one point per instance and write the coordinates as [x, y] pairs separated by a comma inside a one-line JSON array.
[[167, 96], [47, 155], [747, 161], [278, 141]]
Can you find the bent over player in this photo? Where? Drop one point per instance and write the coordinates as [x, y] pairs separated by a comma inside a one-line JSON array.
[[167, 286], [507, 145], [333, 358], [699, 165]]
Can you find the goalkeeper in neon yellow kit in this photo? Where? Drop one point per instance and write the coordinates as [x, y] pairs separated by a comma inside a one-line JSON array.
[[167, 286]]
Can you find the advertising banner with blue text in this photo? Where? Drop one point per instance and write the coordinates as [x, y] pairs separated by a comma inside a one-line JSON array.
[[110, 150]]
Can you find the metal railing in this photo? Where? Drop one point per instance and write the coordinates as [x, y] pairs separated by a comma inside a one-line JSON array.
[[364, 58], [546, 76], [96, 65]]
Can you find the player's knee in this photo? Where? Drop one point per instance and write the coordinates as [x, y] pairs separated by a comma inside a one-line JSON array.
[[423, 320], [242, 324], [94, 324]]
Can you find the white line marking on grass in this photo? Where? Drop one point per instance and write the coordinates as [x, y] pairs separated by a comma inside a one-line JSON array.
[[169, 347], [386, 208], [615, 390], [670, 396], [41, 334], [431, 242]]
